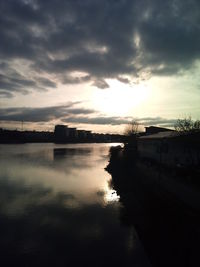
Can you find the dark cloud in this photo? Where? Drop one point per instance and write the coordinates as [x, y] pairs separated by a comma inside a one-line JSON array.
[[170, 36], [69, 79], [96, 120], [5, 94], [103, 39], [102, 84], [44, 114], [46, 82], [123, 80], [12, 81], [15, 84]]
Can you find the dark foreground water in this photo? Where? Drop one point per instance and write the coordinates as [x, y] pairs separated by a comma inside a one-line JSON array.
[[58, 208]]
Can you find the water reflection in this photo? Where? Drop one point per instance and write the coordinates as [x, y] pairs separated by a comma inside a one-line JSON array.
[[66, 152], [111, 195], [57, 209]]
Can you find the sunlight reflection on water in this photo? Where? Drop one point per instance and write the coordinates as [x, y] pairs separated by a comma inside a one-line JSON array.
[[58, 198], [69, 169]]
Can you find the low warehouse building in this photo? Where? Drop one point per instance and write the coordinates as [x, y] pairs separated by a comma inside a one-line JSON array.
[[171, 148]]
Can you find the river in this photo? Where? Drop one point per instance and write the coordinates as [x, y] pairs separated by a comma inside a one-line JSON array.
[[58, 208]]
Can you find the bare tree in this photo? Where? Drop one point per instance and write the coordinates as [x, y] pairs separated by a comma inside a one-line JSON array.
[[132, 128], [187, 125], [196, 125]]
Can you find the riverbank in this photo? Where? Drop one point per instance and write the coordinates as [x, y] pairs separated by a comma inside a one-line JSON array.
[[163, 207], [180, 186]]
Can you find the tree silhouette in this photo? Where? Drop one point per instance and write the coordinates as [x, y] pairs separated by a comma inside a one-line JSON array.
[[187, 125], [132, 128]]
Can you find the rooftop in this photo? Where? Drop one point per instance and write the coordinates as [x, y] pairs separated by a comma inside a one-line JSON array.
[[168, 134]]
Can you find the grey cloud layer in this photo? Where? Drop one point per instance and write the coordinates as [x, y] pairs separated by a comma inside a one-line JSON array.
[[11, 80], [103, 120], [69, 113], [103, 39], [44, 114]]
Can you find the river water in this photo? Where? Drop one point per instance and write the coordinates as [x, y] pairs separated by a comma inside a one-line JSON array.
[[58, 208]]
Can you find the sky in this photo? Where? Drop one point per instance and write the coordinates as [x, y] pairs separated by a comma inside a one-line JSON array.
[[98, 64]]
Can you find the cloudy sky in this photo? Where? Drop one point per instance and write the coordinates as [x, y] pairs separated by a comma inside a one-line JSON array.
[[97, 64]]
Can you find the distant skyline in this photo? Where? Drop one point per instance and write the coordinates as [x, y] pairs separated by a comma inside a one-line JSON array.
[[98, 64]]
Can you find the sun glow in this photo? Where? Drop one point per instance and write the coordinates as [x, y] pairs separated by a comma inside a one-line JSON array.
[[120, 99], [111, 196]]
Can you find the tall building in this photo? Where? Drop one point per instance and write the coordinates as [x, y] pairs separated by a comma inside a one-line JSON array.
[[61, 133]]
